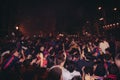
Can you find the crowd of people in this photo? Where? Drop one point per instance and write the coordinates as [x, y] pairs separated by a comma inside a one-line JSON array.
[[60, 57]]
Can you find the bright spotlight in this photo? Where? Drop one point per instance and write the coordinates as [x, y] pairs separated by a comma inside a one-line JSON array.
[[113, 24], [99, 8], [61, 35], [117, 23], [101, 19], [115, 9], [17, 27]]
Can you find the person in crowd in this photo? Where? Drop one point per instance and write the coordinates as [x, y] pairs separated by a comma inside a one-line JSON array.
[[117, 46], [13, 59], [104, 44], [71, 68], [112, 72], [99, 72], [87, 73], [55, 73], [117, 62], [60, 61], [112, 47], [50, 58], [11, 64], [39, 58]]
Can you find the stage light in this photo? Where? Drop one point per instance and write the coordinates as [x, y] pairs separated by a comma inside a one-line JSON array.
[[61, 35], [101, 19], [113, 24], [17, 27], [115, 9], [99, 8], [117, 23]]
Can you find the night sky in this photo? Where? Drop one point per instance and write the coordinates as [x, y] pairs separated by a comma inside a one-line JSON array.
[[32, 16]]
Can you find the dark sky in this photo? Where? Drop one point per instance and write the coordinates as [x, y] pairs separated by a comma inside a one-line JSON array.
[[53, 15]]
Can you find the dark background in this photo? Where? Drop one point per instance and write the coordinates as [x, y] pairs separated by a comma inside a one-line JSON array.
[[33, 16]]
